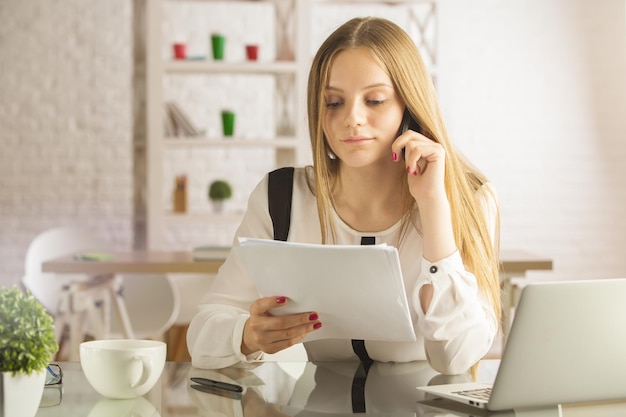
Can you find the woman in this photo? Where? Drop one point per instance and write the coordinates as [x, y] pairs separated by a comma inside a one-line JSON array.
[[371, 180]]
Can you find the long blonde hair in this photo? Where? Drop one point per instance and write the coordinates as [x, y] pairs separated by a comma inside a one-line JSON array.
[[397, 54]]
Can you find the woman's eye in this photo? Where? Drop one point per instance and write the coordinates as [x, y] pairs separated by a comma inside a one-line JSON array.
[[333, 104], [376, 102]]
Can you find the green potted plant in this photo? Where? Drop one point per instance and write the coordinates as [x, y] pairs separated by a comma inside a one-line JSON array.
[[27, 344], [219, 191]]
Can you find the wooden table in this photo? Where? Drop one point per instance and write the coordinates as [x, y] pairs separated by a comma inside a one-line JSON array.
[[514, 264], [137, 262]]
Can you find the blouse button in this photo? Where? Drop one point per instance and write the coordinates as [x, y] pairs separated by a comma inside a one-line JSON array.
[[433, 269]]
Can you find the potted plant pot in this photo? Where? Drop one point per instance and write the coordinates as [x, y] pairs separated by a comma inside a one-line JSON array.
[[21, 393], [219, 192]]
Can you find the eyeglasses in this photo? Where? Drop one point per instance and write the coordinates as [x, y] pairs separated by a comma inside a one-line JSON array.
[[54, 375], [53, 389]]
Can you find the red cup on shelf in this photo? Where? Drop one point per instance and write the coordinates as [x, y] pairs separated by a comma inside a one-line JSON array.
[[252, 52], [180, 50]]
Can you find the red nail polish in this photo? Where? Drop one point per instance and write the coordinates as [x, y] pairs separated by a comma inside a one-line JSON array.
[[281, 300], [317, 325], [408, 170], [313, 317], [394, 156]]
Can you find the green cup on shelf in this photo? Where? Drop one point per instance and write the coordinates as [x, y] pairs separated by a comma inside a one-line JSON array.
[[228, 122], [217, 45]]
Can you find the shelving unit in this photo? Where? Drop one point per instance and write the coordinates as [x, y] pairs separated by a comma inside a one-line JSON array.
[[231, 68], [288, 141]]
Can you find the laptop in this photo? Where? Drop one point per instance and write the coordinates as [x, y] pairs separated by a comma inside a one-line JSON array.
[[567, 345]]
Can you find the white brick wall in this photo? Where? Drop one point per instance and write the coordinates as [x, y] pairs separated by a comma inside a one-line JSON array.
[[533, 92], [65, 118]]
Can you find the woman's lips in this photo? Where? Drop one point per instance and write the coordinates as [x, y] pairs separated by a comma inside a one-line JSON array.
[[355, 140]]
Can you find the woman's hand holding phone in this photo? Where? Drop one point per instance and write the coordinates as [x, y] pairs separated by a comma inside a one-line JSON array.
[[424, 160]]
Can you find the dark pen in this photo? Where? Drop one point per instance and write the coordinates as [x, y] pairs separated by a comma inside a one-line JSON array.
[[218, 384], [217, 391]]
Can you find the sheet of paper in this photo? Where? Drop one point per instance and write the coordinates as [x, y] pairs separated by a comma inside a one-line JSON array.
[[358, 291]]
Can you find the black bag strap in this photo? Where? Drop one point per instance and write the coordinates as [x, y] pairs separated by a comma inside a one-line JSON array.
[[279, 192]]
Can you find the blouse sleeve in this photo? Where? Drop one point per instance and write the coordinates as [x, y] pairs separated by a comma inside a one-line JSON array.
[[215, 332], [460, 324]]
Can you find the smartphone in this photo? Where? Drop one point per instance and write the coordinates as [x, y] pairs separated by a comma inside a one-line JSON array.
[[408, 122]]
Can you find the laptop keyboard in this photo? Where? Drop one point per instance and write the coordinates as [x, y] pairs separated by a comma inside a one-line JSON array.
[[480, 393]]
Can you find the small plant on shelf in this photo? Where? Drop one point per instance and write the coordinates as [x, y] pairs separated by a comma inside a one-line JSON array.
[[219, 191]]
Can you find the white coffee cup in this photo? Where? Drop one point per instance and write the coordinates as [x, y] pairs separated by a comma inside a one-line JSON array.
[[123, 368]]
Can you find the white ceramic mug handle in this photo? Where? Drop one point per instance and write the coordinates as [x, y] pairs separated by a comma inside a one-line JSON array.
[[146, 370]]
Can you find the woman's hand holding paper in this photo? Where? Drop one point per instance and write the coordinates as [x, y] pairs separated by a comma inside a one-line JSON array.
[[270, 334]]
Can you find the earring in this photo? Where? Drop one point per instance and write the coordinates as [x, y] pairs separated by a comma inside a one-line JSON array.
[[331, 154]]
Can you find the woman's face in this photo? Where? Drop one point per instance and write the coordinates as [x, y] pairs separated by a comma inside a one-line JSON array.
[[363, 112]]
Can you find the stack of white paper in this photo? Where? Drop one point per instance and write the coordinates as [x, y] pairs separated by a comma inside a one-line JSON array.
[[357, 291]]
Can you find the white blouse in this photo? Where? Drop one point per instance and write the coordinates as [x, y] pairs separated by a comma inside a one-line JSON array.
[[456, 331]]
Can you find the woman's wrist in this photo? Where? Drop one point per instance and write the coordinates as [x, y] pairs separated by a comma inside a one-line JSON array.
[[246, 349], [439, 239]]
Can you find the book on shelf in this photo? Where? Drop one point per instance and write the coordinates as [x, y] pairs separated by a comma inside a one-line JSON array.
[[169, 127], [210, 253], [177, 122]]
